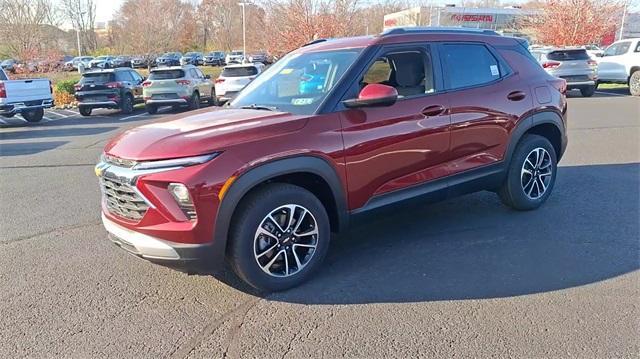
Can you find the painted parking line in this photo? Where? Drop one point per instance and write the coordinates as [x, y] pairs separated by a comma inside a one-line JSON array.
[[68, 111], [610, 93], [134, 116]]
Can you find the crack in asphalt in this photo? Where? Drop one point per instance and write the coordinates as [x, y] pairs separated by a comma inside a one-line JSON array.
[[186, 349], [233, 333], [39, 234]]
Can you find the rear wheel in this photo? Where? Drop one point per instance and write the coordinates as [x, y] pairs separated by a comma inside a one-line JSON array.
[[33, 115], [194, 103], [213, 100], [588, 91], [151, 109], [531, 174], [279, 237], [127, 104], [634, 83], [85, 111]]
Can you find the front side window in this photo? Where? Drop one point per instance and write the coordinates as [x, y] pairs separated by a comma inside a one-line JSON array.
[[469, 65], [409, 72], [299, 82]]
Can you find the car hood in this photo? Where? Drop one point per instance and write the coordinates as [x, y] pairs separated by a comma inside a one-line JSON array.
[[201, 132]]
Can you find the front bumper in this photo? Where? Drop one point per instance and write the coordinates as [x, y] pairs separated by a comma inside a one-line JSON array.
[[177, 255]]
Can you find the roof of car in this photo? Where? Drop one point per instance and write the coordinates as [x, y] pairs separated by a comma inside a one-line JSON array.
[[242, 65], [182, 67]]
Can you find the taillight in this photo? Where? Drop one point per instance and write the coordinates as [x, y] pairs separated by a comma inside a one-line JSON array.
[[114, 85], [219, 80], [592, 63], [560, 85], [551, 64], [183, 82], [3, 90], [146, 84]]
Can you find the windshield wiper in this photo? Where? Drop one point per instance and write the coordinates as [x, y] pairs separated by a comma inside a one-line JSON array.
[[259, 107]]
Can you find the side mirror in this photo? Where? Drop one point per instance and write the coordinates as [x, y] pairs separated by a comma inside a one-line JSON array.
[[599, 55], [208, 77], [374, 95]]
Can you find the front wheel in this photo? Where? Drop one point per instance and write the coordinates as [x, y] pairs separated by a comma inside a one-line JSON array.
[[279, 237], [33, 115], [634, 83], [531, 174], [213, 100], [85, 111]]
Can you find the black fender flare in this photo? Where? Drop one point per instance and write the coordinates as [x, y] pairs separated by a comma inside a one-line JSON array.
[[531, 121], [263, 172]]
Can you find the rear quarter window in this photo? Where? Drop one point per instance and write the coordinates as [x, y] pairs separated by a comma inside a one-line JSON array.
[[568, 55], [239, 71], [166, 74], [469, 65]]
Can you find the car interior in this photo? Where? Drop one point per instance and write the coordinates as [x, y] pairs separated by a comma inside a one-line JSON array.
[[410, 73]]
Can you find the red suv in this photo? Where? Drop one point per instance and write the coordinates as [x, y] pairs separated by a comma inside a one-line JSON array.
[[334, 129]]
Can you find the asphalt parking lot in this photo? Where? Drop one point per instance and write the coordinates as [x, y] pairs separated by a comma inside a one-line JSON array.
[[462, 278]]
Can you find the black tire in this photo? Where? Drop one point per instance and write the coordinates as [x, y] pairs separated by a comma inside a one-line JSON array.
[[251, 213], [33, 115], [512, 192], [588, 91], [194, 102], [127, 104], [634, 83], [151, 109], [85, 111], [213, 100]]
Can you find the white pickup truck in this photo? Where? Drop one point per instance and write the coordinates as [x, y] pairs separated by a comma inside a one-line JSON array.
[[26, 97], [620, 63]]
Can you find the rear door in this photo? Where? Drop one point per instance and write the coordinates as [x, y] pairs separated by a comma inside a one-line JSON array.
[[205, 85], [396, 147], [487, 98], [136, 85]]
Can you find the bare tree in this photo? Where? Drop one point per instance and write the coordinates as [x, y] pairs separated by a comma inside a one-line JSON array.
[[82, 15], [25, 28]]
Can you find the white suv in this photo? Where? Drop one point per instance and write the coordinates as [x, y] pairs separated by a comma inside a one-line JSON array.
[[620, 63], [234, 78]]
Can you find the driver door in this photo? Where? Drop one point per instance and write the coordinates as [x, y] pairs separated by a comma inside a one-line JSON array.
[[388, 149]]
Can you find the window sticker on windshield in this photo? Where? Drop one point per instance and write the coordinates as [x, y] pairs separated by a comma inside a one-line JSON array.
[[302, 101], [286, 71], [494, 70]]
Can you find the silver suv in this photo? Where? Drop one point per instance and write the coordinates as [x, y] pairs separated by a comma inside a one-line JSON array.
[[571, 64]]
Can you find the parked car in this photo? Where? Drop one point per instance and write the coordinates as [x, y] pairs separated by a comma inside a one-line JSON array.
[[192, 58], [102, 62], [261, 184], [143, 61], [260, 57], [73, 64], [28, 97], [571, 64], [215, 58], [234, 57], [122, 61], [177, 86], [234, 78], [119, 88], [594, 50], [169, 59], [620, 63], [9, 65]]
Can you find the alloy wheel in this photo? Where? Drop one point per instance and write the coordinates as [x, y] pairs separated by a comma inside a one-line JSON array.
[[536, 173], [285, 240]]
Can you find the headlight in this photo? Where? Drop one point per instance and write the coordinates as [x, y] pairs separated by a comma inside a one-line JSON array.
[[176, 162], [181, 194]]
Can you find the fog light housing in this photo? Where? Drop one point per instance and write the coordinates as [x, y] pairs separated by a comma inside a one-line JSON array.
[[182, 196]]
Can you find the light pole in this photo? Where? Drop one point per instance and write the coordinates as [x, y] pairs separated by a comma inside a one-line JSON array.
[[624, 15], [78, 33], [244, 32]]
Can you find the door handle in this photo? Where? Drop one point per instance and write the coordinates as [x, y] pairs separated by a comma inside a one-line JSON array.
[[516, 96], [434, 110]]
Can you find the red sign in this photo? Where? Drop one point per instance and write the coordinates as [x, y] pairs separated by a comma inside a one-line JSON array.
[[472, 18], [390, 22]]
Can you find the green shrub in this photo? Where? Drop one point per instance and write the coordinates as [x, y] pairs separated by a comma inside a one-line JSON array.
[[66, 86]]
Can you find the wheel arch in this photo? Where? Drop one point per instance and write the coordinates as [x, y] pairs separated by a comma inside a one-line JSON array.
[[310, 172], [548, 124]]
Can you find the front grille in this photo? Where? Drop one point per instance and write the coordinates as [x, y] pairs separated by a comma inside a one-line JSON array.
[[122, 200]]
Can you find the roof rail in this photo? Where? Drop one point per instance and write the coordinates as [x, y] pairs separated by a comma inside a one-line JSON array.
[[314, 42], [437, 30]]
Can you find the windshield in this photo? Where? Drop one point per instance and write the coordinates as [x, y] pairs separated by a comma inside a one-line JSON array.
[[102, 57], [191, 54], [236, 53], [299, 82]]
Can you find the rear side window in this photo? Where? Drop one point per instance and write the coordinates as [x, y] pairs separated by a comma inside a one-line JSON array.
[[568, 55], [469, 65], [239, 71], [166, 74], [3, 77], [98, 78]]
